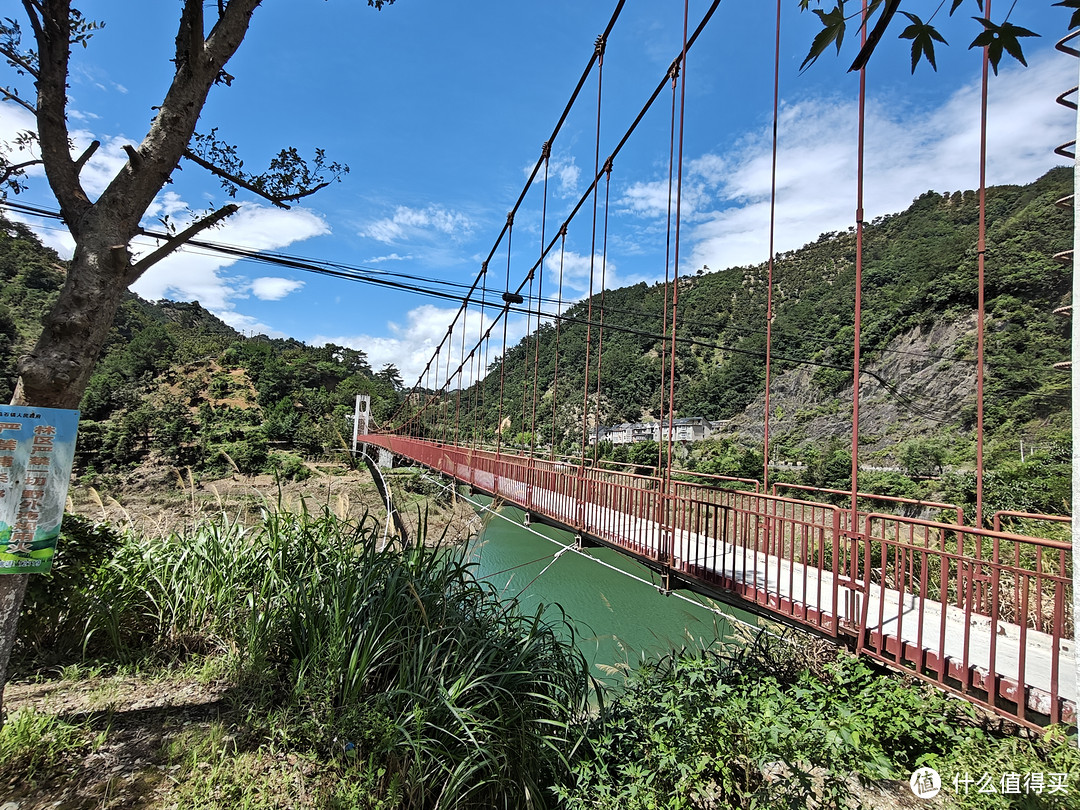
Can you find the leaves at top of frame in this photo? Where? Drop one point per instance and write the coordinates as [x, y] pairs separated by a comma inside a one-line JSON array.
[[833, 27], [1074, 20], [999, 39], [957, 3], [82, 29], [922, 36]]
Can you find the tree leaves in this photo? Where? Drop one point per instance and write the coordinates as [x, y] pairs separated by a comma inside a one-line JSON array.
[[833, 26], [957, 3], [922, 36], [999, 39], [290, 177], [1074, 21]]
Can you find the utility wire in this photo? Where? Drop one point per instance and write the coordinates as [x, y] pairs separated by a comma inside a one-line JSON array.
[[380, 278]]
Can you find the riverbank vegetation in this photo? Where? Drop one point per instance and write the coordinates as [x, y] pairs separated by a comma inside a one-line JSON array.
[[391, 669], [298, 663]]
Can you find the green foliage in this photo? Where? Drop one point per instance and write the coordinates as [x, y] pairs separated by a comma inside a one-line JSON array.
[[922, 36], [725, 457], [289, 467], [31, 742], [51, 624], [387, 660], [977, 753], [999, 39], [922, 458], [752, 726], [1040, 484], [250, 455]]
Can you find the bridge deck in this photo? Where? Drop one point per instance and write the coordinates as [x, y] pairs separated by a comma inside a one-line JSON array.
[[938, 600]]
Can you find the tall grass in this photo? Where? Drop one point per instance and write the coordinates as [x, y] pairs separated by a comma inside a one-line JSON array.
[[398, 659]]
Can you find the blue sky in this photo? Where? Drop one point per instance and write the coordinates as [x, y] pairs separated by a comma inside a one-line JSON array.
[[441, 108]]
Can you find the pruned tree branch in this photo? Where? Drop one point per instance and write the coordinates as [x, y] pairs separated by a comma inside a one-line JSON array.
[[133, 156], [186, 235], [86, 155], [53, 31]]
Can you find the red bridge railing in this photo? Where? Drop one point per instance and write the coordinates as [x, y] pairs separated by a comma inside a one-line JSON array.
[[985, 614]]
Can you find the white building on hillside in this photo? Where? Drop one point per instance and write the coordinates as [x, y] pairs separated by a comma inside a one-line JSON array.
[[686, 429]]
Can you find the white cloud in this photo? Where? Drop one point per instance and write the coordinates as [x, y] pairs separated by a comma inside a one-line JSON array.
[[563, 173], [907, 152], [413, 223], [411, 345], [269, 288], [167, 205], [576, 270], [392, 257], [195, 275]]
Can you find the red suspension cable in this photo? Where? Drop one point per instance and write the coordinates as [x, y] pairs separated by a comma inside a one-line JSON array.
[[592, 249], [506, 311], [603, 291], [858, 291], [461, 377], [980, 368], [772, 253], [546, 153], [678, 230], [674, 73], [558, 323]]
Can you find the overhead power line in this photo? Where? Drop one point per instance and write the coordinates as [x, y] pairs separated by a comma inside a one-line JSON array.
[[443, 289]]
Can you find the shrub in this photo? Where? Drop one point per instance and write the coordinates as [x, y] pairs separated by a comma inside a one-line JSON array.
[[289, 467], [51, 624], [754, 727]]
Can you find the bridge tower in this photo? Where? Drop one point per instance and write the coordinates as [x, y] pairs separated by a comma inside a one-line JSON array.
[[361, 419]]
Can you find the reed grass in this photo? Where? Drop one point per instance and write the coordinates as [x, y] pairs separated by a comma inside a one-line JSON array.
[[395, 660]]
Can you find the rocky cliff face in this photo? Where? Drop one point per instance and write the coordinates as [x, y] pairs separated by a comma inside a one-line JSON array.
[[925, 377]]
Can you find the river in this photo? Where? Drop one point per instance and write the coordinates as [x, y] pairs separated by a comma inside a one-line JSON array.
[[618, 618]]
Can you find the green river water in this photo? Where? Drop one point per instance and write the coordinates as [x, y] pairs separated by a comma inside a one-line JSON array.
[[618, 619]]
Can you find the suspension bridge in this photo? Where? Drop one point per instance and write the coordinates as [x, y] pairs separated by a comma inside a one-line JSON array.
[[957, 601]]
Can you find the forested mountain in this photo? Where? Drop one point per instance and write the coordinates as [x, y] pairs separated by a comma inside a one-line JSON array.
[[918, 341], [177, 383]]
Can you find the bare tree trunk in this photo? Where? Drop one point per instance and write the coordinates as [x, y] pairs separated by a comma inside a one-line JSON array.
[[12, 590], [57, 370]]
